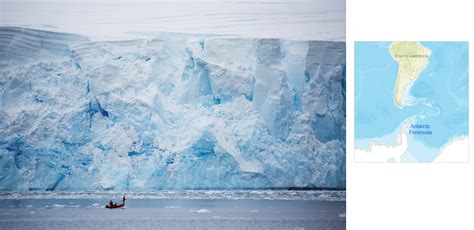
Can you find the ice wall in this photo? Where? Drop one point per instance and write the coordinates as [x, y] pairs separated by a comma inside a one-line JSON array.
[[178, 111]]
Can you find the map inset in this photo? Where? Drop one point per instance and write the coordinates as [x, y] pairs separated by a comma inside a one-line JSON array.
[[411, 101]]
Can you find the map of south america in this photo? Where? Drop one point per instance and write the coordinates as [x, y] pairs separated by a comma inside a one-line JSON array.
[[412, 59], [411, 101]]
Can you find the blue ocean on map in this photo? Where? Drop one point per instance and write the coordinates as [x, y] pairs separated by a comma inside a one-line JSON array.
[[438, 97]]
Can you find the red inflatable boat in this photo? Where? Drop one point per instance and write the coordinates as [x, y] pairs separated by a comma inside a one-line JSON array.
[[112, 206]]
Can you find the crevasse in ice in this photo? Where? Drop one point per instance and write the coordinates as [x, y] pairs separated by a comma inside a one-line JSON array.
[[178, 111]]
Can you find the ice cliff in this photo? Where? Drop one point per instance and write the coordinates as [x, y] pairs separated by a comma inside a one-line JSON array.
[[178, 111]]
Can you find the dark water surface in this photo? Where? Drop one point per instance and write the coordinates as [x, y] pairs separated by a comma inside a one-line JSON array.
[[172, 214]]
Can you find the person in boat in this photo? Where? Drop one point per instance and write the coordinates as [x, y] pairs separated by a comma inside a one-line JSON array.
[[115, 205], [123, 201]]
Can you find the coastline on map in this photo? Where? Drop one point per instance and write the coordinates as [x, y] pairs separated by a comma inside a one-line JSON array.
[[389, 146], [394, 147], [407, 98], [389, 139]]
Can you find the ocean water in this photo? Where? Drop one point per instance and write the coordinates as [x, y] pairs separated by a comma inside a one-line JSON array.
[[444, 85], [376, 73], [438, 97], [175, 210]]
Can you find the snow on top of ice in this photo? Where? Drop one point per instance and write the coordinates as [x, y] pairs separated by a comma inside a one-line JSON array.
[[320, 195], [115, 20]]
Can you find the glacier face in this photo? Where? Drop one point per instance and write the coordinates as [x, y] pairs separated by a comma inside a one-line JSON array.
[[179, 111]]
